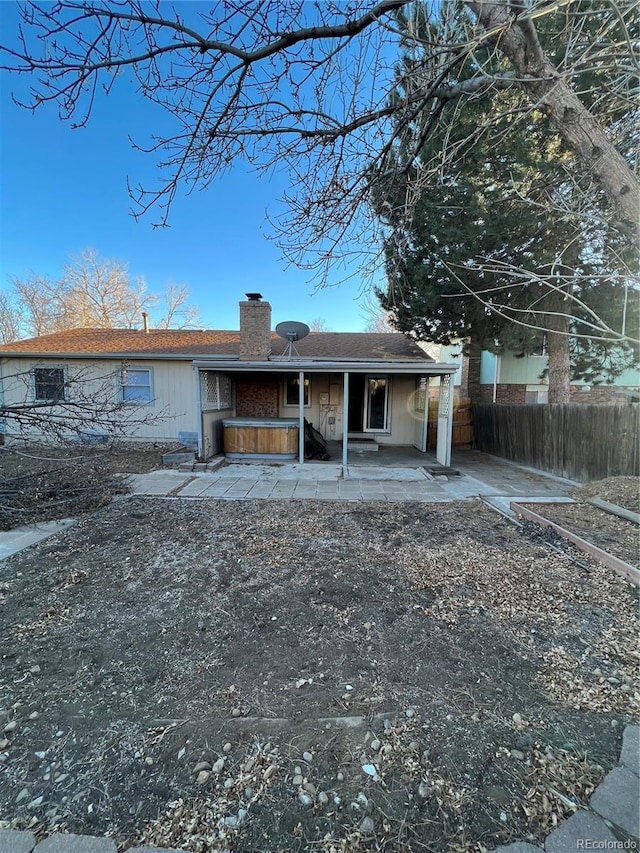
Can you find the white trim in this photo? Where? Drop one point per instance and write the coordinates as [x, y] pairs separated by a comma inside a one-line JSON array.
[[301, 415], [425, 418], [138, 368], [345, 420], [200, 414]]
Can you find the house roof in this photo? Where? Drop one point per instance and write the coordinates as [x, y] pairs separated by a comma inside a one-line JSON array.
[[174, 343]]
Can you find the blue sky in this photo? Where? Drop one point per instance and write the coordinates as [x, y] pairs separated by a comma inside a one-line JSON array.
[[65, 190]]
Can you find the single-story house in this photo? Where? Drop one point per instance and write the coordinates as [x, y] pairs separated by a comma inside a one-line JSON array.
[[240, 391]]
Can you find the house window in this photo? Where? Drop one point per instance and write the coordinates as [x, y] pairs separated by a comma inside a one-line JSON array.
[[49, 384], [541, 348], [136, 385], [215, 390], [376, 404], [292, 394]]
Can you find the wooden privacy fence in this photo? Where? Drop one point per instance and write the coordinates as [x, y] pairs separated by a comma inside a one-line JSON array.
[[462, 429], [575, 440]]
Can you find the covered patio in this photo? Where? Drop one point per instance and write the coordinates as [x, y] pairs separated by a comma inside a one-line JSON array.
[[367, 412]]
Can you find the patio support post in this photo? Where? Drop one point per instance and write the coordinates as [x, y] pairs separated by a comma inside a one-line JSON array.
[[445, 420], [425, 415], [345, 423], [196, 371], [301, 417]]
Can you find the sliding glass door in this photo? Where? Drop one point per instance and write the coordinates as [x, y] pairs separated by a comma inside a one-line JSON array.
[[376, 409]]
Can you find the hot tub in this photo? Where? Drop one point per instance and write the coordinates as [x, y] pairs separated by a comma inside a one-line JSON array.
[[260, 438]]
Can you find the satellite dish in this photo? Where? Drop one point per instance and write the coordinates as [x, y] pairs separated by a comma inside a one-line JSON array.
[[291, 330]]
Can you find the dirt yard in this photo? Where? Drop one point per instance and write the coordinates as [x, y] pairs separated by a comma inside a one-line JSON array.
[[305, 676], [40, 483]]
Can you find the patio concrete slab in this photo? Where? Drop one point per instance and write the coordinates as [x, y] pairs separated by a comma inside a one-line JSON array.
[[69, 843], [630, 753], [503, 504], [582, 831], [616, 800], [159, 482], [14, 841], [283, 471], [353, 472], [13, 541], [402, 477]]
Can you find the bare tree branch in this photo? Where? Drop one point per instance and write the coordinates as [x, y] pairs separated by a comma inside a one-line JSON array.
[[316, 87]]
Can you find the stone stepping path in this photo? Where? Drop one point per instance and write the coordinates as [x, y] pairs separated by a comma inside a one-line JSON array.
[[614, 817]]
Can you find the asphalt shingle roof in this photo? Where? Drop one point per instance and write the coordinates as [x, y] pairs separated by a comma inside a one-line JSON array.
[[335, 346]]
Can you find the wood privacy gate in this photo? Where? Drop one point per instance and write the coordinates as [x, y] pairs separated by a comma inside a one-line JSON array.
[[462, 433]]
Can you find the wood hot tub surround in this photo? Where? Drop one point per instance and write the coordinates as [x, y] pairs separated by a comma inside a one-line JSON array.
[[269, 438]]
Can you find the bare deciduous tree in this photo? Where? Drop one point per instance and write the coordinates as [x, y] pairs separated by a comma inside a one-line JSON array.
[[376, 318], [92, 292], [100, 293], [177, 312], [37, 304], [82, 403], [11, 318], [319, 324], [313, 85]]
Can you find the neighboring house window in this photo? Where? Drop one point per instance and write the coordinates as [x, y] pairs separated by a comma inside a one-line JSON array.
[[49, 384], [215, 390], [542, 348], [136, 385], [292, 395], [537, 396]]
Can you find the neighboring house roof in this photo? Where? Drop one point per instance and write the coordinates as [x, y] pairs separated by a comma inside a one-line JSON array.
[[369, 346]]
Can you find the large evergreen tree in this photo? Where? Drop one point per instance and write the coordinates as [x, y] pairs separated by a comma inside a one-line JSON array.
[[507, 241]]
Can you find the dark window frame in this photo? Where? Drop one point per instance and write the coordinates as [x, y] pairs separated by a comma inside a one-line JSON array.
[[48, 389]]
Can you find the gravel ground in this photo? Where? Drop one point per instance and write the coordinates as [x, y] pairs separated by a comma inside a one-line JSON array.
[[302, 676], [623, 491]]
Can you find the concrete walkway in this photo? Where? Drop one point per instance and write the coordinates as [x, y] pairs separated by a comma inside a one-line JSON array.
[[611, 823], [479, 476], [401, 478]]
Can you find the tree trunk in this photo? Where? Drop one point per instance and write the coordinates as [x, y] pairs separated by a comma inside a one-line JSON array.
[[473, 375], [516, 38], [559, 365]]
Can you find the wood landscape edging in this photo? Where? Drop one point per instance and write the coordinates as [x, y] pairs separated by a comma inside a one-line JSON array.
[[615, 563]]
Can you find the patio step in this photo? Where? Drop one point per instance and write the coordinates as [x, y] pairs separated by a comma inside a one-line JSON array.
[[368, 445]]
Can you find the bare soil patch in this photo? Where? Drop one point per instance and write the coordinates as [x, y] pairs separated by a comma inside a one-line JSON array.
[[296, 676], [42, 483]]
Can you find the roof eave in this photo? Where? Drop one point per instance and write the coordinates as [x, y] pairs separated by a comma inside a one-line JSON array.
[[421, 368], [119, 355]]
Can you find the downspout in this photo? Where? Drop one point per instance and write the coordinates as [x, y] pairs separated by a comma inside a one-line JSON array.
[[200, 424], [345, 424], [496, 378], [301, 417]]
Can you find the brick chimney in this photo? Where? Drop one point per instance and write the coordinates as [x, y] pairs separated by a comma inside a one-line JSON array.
[[255, 328]]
